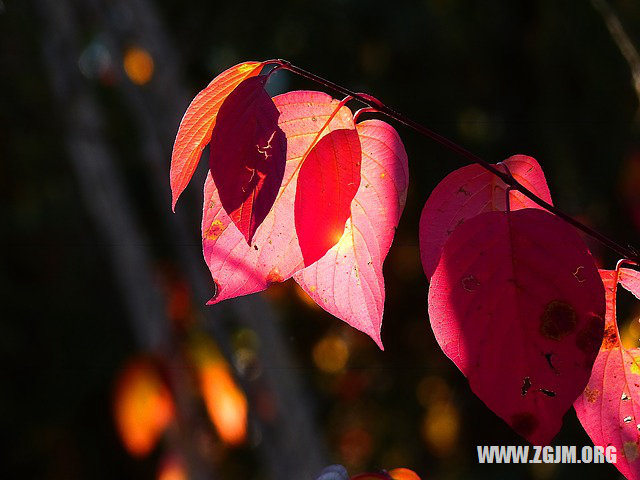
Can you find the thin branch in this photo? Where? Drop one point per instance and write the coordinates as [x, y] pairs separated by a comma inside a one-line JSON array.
[[629, 253], [622, 40]]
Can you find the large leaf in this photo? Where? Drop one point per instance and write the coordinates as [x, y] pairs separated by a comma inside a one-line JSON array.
[[348, 281], [609, 407], [248, 154], [328, 180], [469, 191], [197, 124], [517, 304], [240, 269]]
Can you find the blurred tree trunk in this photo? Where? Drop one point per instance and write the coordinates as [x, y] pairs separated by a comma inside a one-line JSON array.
[[290, 444]]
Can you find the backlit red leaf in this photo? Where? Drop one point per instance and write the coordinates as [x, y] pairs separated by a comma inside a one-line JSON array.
[[347, 281], [517, 304], [248, 153], [609, 407], [469, 191], [236, 267], [328, 180], [197, 124]]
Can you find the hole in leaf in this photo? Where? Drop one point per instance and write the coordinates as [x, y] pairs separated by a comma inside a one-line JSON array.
[[548, 393], [526, 385]]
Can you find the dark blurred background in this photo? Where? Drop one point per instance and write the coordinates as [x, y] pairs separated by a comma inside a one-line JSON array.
[[103, 314]]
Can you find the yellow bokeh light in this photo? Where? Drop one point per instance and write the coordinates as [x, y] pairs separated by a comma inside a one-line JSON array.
[[440, 428], [432, 389], [138, 64], [331, 354], [630, 333]]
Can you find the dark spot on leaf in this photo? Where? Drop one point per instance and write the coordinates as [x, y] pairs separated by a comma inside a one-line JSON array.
[[524, 423], [590, 337], [548, 393], [526, 385], [255, 247], [558, 320], [215, 230], [591, 394], [610, 338]]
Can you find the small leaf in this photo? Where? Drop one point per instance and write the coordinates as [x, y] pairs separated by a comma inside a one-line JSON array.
[[347, 281], [236, 267], [248, 155], [469, 191], [197, 124], [328, 180], [517, 304], [609, 407]]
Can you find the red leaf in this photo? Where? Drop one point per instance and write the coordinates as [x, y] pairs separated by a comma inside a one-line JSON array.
[[197, 124], [248, 155], [347, 281], [328, 180], [237, 268], [609, 407], [469, 191], [517, 304]]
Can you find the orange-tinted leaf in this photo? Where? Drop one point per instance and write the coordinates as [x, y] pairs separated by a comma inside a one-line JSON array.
[[248, 155], [609, 407], [143, 406], [517, 304], [403, 474], [197, 124], [328, 180]]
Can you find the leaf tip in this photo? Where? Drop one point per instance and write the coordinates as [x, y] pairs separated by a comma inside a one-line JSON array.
[[378, 339]]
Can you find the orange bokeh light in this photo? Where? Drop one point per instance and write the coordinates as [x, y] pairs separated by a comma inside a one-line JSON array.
[[172, 468], [440, 428], [331, 354], [143, 406], [403, 474], [226, 403], [138, 65]]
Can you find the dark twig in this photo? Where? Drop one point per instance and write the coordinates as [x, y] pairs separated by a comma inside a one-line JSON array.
[[454, 147]]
